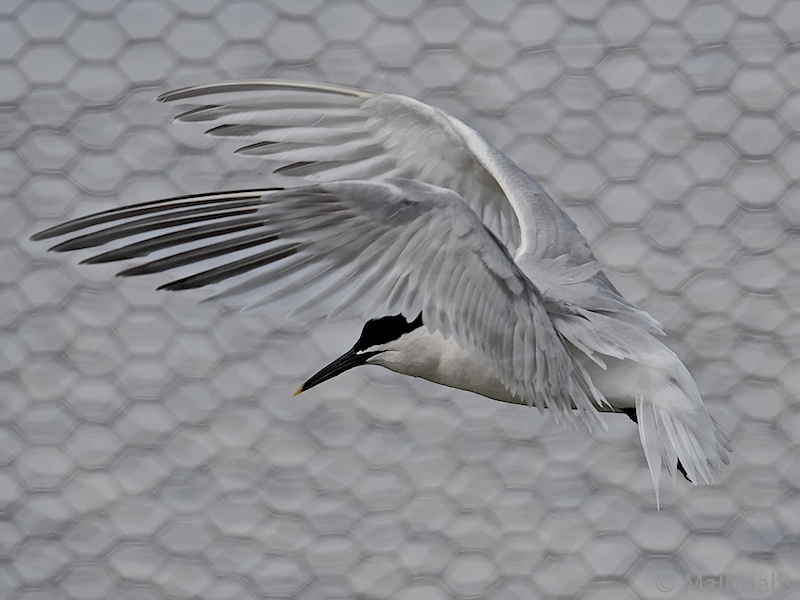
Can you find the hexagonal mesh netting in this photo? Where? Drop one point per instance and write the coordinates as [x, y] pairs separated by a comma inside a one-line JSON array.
[[150, 447]]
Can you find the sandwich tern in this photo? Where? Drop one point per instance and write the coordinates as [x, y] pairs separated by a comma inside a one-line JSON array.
[[467, 272]]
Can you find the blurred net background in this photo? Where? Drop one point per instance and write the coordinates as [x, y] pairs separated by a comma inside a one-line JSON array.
[[150, 448]]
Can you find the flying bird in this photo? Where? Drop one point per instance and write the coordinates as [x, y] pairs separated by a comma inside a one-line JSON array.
[[465, 270]]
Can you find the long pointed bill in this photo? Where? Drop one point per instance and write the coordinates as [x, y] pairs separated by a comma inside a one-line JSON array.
[[345, 362]]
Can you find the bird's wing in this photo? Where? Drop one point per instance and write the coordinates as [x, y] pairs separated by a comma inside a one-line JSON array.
[[328, 133], [354, 248]]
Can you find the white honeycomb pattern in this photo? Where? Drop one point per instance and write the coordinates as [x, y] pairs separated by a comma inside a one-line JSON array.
[[151, 449]]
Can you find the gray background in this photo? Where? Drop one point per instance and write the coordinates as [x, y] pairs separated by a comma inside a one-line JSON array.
[[151, 448]]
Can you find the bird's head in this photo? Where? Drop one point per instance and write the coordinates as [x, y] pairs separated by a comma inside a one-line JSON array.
[[379, 337]]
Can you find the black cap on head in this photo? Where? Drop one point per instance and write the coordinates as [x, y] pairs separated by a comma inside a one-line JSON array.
[[384, 330]]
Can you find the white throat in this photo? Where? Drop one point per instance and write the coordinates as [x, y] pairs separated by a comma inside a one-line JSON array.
[[430, 356]]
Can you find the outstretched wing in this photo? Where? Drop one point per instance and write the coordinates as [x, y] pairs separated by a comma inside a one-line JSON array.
[[355, 248], [328, 133]]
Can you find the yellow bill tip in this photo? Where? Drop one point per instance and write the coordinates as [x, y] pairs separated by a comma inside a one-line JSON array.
[[299, 391]]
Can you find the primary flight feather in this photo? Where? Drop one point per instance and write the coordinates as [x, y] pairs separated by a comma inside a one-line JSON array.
[[470, 275]]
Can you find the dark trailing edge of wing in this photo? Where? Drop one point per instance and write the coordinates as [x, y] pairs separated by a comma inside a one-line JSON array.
[[197, 254], [231, 269], [237, 130], [202, 114], [188, 93], [145, 208], [199, 217], [249, 149], [172, 239], [152, 223], [296, 166]]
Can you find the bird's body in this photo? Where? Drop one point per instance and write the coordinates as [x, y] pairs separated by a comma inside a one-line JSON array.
[[429, 355], [413, 213]]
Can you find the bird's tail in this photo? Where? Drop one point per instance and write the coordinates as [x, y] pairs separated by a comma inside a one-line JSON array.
[[675, 426]]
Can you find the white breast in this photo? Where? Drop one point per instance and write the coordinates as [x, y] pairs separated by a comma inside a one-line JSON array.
[[430, 356]]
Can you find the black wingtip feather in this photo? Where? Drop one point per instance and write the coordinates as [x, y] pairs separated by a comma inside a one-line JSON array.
[[55, 231], [251, 147], [197, 114], [143, 208], [167, 96], [41, 235], [294, 166], [145, 269], [232, 130], [189, 257], [229, 270], [99, 259], [78, 243], [172, 240]]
